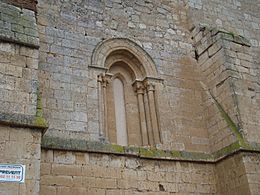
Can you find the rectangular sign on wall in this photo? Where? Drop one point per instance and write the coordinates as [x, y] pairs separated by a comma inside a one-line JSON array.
[[12, 173]]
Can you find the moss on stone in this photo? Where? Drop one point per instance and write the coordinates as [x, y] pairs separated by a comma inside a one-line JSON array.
[[39, 119], [146, 152], [131, 150], [227, 150], [176, 154], [92, 146], [232, 126], [152, 153], [116, 148]]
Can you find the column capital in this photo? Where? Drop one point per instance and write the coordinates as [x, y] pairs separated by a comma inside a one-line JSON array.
[[150, 86], [104, 79], [139, 87]]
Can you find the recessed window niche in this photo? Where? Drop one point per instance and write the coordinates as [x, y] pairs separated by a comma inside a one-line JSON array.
[[127, 93]]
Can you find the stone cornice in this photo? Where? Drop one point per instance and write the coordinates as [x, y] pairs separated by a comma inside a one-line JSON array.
[[24, 121], [144, 152]]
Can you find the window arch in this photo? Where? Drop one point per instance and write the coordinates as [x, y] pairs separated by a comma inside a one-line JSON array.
[[128, 111], [120, 70]]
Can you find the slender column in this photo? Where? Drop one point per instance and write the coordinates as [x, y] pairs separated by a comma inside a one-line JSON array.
[[148, 120], [154, 121], [139, 89], [100, 108], [104, 79]]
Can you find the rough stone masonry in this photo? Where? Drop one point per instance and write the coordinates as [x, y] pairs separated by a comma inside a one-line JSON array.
[[189, 93]]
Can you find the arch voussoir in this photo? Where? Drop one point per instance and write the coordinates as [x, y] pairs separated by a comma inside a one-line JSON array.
[[106, 47]]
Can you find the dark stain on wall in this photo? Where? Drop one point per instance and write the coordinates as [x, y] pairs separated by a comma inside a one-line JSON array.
[[27, 4]]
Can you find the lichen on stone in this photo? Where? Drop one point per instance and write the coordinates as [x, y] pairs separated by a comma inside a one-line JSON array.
[[117, 148], [39, 119]]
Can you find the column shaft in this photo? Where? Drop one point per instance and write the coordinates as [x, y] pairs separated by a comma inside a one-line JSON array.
[[142, 118], [154, 121]]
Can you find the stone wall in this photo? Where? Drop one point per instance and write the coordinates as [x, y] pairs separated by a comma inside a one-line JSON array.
[[231, 176], [239, 18], [21, 146], [19, 77], [21, 123], [207, 98], [252, 167], [18, 25], [225, 61], [65, 172], [238, 174], [70, 31], [68, 40], [18, 60], [70, 172]]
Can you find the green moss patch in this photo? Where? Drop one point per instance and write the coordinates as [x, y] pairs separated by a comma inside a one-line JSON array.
[[39, 119]]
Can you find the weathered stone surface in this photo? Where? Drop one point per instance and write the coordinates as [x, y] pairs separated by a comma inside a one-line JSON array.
[[18, 25], [205, 85], [21, 146], [108, 174]]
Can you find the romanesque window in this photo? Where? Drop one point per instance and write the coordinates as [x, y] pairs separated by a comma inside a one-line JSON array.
[[127, 93]]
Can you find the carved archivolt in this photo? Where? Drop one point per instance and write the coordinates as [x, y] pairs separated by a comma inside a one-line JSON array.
[[123, 61], [105, 48]]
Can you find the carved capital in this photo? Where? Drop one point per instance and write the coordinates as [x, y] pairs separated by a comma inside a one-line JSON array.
[[139, 87], [149, 86], [104, 79]]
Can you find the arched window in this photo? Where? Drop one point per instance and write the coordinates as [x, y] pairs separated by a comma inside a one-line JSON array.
[[127, 93], [120, 114], [121, 105]]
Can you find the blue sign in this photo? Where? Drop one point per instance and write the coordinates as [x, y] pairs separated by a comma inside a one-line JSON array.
[[12, 173]]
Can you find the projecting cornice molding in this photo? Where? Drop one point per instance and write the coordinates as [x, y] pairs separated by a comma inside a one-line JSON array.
[[146, 152]]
